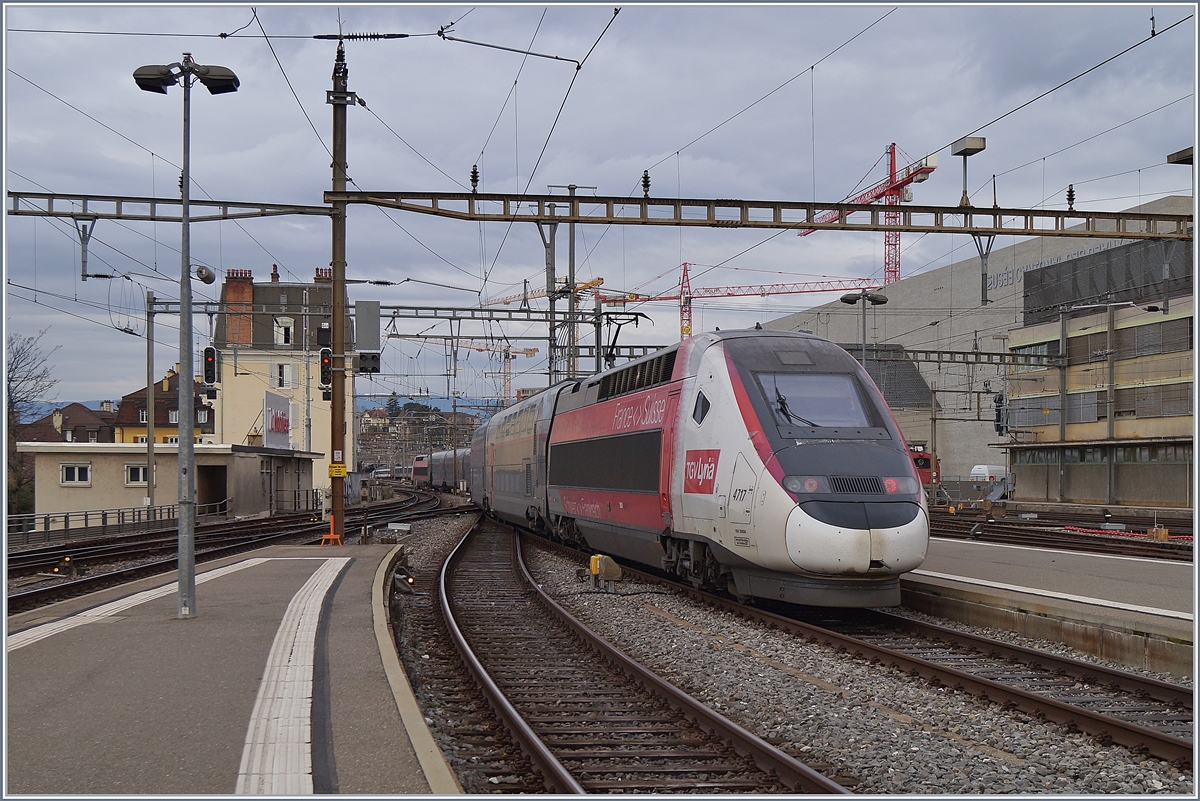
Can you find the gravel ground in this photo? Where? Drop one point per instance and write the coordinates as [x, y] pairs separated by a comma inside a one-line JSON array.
[[890, 732]]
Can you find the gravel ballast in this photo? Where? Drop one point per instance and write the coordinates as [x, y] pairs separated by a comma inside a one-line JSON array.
[[881, 729]]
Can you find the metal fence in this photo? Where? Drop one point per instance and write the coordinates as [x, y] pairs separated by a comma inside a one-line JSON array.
[[954, 490], [291, 501], [59, 527]]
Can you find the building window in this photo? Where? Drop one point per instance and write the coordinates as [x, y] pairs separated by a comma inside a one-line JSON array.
[[172, 440], [135, 475], [284, 378], [1164, 400], [141, 415], [1170, 454], [284, 328], [77, 475], [1036, 456], [1040, 349], [93, 435], [140, 439], [173, 416], [202, 415]]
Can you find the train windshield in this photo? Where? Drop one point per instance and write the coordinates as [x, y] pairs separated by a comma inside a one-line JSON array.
[[820, 400]]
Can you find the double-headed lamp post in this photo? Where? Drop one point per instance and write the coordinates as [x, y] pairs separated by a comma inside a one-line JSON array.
[[218, 80], [872, 298]]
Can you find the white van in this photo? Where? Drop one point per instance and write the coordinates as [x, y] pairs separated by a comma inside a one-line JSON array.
[[989, 472]]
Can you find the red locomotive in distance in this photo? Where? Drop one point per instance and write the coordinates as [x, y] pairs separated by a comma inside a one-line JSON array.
[[923, 460]]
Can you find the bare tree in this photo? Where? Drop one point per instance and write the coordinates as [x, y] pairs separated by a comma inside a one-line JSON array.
[[27, 381]]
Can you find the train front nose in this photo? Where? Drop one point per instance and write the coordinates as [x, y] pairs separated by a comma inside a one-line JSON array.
[[840, 538]]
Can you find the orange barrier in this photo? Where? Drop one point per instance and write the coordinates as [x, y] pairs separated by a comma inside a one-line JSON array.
[[331, 538]]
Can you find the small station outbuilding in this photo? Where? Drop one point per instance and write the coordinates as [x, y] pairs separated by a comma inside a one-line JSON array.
[[79, 476]]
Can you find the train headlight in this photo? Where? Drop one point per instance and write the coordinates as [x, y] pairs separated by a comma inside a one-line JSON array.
[[900, 485], [805, 485]]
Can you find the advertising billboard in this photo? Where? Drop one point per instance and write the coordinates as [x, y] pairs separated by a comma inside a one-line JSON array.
[[277, 421]]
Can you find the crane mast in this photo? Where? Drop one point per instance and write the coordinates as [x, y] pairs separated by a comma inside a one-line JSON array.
[[893, 189]]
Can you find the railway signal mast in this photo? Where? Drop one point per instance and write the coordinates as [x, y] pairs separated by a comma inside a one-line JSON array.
[[893, 189]]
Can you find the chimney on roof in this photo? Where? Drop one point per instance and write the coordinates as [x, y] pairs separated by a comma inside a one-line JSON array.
[[58, 420], [274, 273], [323, 275], [106, 406]]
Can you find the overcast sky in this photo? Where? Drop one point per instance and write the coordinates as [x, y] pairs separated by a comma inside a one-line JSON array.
[[649, 96]]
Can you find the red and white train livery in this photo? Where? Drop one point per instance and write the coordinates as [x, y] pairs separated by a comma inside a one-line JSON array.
[[765, 463]]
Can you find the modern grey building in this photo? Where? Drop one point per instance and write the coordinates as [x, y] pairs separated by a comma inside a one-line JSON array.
[[941, 310]]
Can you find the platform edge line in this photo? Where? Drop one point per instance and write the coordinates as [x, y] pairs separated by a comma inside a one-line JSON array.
[[438, 775], [1062, 596]]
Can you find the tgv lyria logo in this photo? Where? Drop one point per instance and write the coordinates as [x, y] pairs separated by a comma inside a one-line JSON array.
[[700, 471]]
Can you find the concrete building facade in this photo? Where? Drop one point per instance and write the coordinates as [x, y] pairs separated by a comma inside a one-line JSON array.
[[80, 476], [269, 340], [942, 310], [1114, 422]]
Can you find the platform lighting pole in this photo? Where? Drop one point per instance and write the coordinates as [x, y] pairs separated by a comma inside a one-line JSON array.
[[149, 403], [969, 146], [339, 98], [872, 298], [218, 80]]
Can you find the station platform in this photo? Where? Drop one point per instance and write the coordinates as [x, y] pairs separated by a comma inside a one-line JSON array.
[[285, 682], [1134, 611]]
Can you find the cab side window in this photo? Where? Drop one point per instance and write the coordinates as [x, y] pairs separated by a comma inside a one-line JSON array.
[[700, 411]]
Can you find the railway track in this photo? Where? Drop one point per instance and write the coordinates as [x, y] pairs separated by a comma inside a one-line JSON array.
[[1049, 534], [476, 744], [90, 553], [589, 718], [108, 562], [1145, 715]]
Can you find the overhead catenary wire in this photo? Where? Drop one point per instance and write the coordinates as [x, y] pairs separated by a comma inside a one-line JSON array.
[[976, 130], [153, 154], [1070, 80], [773, 91], [549, 134]]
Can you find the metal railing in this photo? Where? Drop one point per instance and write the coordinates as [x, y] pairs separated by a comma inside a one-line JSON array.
[[61, 527], [291, 501]]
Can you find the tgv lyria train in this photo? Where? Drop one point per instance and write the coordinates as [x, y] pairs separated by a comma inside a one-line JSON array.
[[764, 463]]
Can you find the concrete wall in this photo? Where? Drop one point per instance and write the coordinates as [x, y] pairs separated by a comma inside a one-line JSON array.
[[107, 488], [250, 475], [1155, 484]]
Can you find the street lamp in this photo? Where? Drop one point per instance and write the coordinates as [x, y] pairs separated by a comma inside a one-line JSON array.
[[872, 298], [967, 146], [218, 80]]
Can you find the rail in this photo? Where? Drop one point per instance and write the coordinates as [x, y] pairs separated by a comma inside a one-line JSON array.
[[52, 527]]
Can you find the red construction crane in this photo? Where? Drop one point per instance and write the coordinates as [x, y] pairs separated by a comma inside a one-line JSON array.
[[893, 189], [687, 294]]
